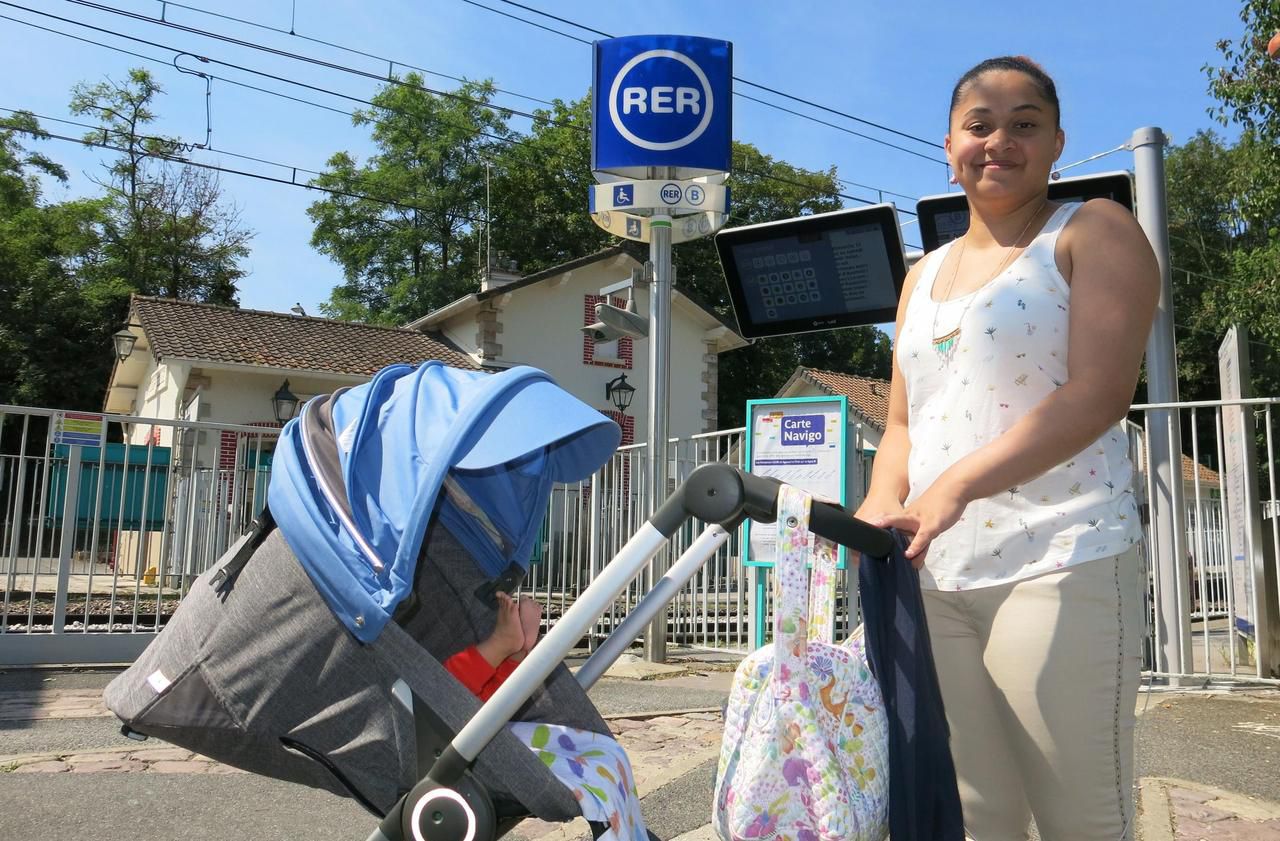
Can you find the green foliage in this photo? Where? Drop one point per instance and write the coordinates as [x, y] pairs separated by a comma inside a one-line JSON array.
[[166, 230], [54, 328], [401, 233], [1247, 88]]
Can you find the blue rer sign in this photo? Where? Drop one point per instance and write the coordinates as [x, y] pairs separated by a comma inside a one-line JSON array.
[[662, 100], [806, 430]]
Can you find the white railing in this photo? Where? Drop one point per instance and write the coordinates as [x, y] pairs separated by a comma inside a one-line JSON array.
[[147, 518]]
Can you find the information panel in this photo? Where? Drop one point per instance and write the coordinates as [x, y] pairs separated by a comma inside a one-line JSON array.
[[839, 269], [800, 441], [946, 217]]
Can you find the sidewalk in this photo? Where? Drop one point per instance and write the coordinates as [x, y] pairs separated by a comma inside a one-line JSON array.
[[666, 747]]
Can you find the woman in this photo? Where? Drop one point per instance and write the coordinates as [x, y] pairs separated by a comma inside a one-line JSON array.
[[1017, 352]]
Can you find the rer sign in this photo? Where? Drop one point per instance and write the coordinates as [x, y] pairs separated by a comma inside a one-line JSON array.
[[661, 101]]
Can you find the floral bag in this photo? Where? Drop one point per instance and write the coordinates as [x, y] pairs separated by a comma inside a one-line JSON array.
[[806, 741]]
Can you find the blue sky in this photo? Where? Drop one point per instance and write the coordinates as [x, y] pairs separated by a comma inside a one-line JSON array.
[[1118, 66]]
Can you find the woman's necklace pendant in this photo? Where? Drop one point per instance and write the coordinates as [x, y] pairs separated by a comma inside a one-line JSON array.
[[945, 346]]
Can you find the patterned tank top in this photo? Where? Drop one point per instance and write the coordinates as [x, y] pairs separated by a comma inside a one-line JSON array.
[[1010, 354]]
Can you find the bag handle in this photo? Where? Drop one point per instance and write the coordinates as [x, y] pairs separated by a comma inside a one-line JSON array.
[[796, 619]]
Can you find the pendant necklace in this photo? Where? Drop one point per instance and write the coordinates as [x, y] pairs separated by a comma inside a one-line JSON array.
[[945, 345]]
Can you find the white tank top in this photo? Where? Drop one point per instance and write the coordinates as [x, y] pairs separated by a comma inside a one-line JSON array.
[[1010, 354]]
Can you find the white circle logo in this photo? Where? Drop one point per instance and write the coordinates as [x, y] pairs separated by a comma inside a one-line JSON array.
[[671, 193], [666, 146], [694, 195]]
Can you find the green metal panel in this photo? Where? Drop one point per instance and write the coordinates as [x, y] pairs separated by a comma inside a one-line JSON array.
[[121, 483]]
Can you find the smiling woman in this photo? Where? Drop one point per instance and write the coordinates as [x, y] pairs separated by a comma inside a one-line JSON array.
[[1016, 356]]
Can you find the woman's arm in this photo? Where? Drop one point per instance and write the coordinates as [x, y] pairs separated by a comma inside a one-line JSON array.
[[889, 485], [1115, 283]]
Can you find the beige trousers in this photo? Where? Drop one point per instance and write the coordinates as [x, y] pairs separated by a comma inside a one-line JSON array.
[[1039, 678]]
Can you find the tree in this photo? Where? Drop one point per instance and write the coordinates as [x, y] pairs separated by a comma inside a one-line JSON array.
[[55, 325], [1248, 92], [1247, 88], [168, 231], [537, 186], [539, 196], [402, 223]]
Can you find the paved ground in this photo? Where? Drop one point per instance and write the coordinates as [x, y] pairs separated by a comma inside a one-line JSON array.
[[1207, 762]]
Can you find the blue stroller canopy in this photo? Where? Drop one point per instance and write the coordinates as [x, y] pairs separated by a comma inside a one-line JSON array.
[[358, 475]]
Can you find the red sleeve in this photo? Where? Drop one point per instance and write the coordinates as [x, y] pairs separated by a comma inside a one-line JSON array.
[[472, 670], [500, 675], [475, 673]]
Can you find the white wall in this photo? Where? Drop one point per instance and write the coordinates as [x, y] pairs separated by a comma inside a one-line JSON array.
[[541, 326]]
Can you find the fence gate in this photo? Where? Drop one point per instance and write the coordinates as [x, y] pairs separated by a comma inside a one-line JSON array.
[[101, 537]]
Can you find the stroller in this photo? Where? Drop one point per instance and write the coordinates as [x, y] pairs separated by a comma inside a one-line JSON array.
[[398, 509]]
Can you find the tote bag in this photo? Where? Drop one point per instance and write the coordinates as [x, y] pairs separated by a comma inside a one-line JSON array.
[[805, 749]]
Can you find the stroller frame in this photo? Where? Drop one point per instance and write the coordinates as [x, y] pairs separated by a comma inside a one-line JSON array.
[[448, 803]]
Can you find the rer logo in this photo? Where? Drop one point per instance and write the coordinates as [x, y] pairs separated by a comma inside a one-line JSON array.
[[671, 193], [661, 100], [803, 430]]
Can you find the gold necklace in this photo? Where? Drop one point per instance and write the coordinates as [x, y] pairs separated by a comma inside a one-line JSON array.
[[945, 345]]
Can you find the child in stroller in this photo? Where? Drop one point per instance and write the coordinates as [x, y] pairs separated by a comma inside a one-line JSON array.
[[482, 667], [312, 652]]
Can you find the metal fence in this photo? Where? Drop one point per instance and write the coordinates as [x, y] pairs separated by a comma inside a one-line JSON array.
[[1226, 586], [99, 544]]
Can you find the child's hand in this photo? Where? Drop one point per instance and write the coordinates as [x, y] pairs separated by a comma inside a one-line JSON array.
[[507, 639]]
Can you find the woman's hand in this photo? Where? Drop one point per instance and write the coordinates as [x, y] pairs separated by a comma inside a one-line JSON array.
[[933, 512], [873, 508]]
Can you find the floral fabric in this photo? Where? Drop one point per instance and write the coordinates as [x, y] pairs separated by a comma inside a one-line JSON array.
[[596, 769], [805, 749]]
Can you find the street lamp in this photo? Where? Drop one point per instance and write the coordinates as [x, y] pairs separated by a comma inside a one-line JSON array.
[[124, 340], [285, 403], [620, 392]]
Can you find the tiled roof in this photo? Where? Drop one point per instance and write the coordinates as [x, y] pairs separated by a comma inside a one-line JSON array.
[[870, 396], [188, 330], [1207, 476]]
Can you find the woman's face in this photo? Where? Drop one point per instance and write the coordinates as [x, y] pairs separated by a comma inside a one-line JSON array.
[[1003, 138]]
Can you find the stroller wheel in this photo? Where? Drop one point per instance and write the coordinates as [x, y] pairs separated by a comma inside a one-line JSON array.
[[438, 813]]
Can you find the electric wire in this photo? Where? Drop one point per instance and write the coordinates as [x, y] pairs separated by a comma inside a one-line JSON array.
[[774, 91], [331, 65], [292, 182], [392, 63]]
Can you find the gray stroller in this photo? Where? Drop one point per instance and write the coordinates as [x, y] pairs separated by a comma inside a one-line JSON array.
[[277, 664]]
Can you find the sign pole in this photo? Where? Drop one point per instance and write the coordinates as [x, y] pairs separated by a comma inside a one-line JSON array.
[[661, 142], [655, 640], [1164, 426]]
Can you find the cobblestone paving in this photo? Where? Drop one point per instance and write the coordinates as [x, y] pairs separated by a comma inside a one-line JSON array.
[[662, 748]]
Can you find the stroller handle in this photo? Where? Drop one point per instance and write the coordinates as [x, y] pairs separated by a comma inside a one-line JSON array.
[[723, 494]]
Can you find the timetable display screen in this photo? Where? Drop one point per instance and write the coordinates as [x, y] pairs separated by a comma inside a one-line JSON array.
[[946, 217], [819, 272]]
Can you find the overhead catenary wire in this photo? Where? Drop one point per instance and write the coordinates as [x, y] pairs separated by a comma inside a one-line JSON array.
[[292, 182], [392, 63], [932, 143], [334, 66]]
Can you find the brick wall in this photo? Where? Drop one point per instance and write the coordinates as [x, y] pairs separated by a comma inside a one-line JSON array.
[[228, 444], [626, 345]]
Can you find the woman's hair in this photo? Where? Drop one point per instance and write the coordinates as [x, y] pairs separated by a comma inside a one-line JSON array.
[[1020, 63]]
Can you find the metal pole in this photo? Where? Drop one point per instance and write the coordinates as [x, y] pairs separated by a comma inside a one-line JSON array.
[[655, 641], [70, 514], [1164, 426]]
